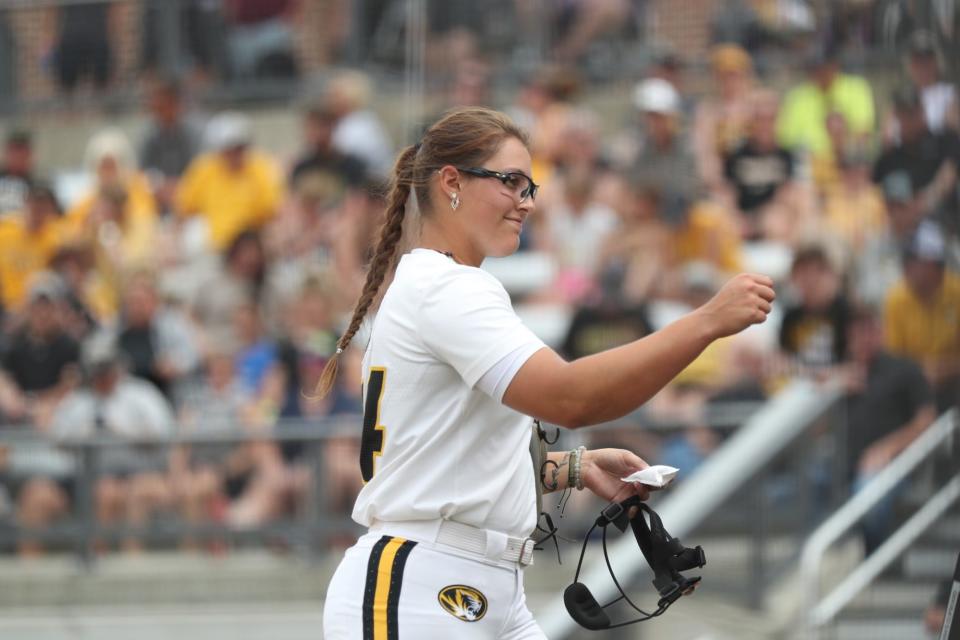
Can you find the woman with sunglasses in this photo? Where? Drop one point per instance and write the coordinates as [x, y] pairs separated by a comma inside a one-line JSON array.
[[451, 380]]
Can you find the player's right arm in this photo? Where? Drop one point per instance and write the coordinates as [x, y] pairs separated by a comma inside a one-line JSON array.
[[610, 384]]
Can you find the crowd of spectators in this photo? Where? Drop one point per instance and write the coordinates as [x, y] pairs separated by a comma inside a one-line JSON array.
[[197, 288]]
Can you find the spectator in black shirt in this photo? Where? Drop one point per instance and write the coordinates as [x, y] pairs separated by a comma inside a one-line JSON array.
[[888, 404], [814, 327], [921, 163], [16, 174], [40, 355], [760, 174], [343, 171], [171, 143]]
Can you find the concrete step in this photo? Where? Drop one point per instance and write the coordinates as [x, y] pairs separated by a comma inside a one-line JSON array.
[[893, 597], [880, 628], [162, 578], [930, 563]]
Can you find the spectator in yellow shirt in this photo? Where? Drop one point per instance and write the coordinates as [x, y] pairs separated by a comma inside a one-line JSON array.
[[802, 122], [117, 185], [922, 313], [232, 187], [27, 242]]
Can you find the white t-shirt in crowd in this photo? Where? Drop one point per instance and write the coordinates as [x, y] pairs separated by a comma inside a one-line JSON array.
[[449, 450]]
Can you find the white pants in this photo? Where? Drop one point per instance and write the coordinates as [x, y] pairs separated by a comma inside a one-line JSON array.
[[395, 588]]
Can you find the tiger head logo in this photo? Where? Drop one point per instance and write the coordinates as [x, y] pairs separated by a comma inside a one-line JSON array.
[[463, 602]]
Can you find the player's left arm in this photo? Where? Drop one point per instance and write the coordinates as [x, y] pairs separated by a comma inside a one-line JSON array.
[[600, 471]]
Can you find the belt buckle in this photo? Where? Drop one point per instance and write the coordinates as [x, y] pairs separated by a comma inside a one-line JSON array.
[[526, 552]]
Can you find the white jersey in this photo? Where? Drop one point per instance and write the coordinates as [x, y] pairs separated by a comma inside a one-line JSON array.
[[434, 446]]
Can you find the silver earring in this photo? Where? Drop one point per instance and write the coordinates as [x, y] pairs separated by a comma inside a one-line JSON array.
[[454, 200]]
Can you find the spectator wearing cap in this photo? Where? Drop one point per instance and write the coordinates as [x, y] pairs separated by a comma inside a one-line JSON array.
[[921, 167], [171, 142], [40, 355], [132, 483], [888, 404], [664, 158], [801, 126], [761, 173], [231, 187], [720, 121], [921, 314], [28, 240], [16, 174], [939, 98], [118, 214]]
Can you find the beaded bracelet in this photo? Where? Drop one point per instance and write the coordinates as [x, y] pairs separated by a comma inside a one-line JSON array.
[[574, 481]]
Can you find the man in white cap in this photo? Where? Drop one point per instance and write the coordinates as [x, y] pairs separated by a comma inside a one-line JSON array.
[[233, 186], [665, 159]]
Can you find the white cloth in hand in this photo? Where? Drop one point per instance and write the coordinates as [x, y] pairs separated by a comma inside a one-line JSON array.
[[659, 475]]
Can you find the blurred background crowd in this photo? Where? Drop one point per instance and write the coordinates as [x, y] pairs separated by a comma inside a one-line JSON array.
[[183, 275]]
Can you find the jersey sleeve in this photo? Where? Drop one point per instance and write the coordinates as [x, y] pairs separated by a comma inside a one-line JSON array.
[[467, 321]]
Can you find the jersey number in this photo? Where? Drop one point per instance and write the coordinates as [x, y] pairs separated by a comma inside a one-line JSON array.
[[374, 434]]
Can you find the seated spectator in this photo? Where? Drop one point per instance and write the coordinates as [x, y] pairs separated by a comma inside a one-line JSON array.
[[28, 241], [309, 340], [260, 37], [825, 166], [771, 204], [118, 214], [84, 33], [171, 142], [633, 261], [91, 297], [358, 129], [920, 314], [16, 172], [233, 186], [720, 120], [940, 104], [664, 158], [879, 264], [132, 484], [813, 333], [237, 279], [156, 340], [572, 231], [853, 207], [801, 126], [921, 162], [39, 362], [888, 404], [258, 367], [202, 39], [238, 480]]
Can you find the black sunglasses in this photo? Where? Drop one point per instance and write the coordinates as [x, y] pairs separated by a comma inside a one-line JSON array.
[[519, 183]]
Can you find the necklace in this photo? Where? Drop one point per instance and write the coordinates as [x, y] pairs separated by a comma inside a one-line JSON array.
[[446, 253]]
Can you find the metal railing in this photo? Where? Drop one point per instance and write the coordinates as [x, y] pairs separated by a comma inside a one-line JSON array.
[[306, 529], [822, 610]]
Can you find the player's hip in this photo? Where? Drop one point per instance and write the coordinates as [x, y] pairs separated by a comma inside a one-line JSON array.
[[388, 587]]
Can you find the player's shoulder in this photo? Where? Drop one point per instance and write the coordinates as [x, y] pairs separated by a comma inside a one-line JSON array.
[[435, 273]]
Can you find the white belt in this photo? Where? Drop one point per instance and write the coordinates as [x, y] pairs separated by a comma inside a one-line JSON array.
[[494, 545]]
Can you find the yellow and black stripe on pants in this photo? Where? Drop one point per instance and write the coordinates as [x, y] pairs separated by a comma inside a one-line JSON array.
[[381, 594]]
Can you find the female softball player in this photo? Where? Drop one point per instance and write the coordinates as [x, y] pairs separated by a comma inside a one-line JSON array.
[[452, 377]]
